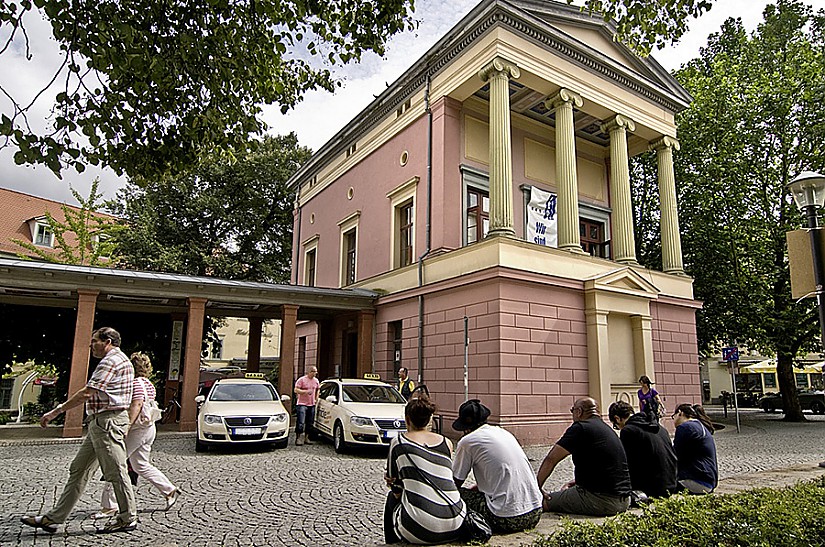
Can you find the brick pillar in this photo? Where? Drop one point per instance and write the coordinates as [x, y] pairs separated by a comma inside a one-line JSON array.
[[253, 348], [366, 322], [84, 325], [286, 371], [192, 364]]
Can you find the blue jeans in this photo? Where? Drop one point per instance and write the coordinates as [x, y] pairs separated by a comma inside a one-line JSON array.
[[305, 416]]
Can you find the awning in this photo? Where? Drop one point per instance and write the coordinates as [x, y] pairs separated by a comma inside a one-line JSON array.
[[768, 366]]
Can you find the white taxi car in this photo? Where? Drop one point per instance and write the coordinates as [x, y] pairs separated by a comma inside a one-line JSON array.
[[356, 412], [242, 411]]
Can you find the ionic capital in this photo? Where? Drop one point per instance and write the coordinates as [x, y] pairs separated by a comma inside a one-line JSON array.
[[619, 122], [499, 66], [564, 96], [664, 142]]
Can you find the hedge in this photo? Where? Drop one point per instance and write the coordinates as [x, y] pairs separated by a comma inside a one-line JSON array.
[[792, 516]]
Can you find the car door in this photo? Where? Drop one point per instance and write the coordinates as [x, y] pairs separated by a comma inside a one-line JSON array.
[[324, 408]]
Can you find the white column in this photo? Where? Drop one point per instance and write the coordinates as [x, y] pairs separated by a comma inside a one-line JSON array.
[[669, 222], [566, 174], [498, 72], [623, 240]]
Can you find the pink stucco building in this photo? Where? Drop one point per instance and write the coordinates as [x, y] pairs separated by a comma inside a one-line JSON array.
[[490, 182]]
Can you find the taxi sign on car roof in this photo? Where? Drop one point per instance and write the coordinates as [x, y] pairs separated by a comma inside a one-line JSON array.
[[372, 376], [255, 375]]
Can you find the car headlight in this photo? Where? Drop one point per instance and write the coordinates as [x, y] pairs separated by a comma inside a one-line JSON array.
[[360, 421], [278, 418], [212, 419]]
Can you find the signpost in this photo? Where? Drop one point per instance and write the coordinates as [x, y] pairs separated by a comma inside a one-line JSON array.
[[731, 355]]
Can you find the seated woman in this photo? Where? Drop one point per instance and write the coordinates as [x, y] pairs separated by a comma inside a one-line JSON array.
[[423, 505], [650, 454], [695, 449]]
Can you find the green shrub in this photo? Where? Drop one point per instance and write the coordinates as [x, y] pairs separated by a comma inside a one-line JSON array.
[[793, 516], [5, 417]]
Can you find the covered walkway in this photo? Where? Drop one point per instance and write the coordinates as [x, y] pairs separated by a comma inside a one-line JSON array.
[[188, 300]]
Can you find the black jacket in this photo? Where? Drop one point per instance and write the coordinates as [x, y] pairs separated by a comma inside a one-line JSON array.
[[650, 456]]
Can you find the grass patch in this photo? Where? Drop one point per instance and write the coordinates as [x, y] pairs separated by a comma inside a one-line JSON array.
[[793, 516]]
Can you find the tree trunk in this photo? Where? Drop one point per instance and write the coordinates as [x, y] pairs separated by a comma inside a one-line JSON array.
[[787, 386]]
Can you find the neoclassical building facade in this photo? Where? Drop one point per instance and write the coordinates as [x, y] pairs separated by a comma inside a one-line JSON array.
[[485, 195]]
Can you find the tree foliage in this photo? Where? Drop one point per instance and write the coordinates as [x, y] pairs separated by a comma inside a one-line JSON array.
[[92, 233], [755, 122], [147, 87], [229, 219]]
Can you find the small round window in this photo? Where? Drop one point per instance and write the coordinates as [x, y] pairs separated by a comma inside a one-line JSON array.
[[350, 192], [405, 156]]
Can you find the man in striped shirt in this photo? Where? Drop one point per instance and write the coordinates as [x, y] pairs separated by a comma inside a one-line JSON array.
[[107, 396]]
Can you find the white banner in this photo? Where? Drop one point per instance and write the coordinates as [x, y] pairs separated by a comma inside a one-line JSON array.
[[542, 226]]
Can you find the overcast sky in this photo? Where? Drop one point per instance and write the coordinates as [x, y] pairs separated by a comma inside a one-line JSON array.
[[321, 114]]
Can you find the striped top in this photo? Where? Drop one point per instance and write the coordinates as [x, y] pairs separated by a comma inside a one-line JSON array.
[[425, 516], [111, 382], [143, 389]]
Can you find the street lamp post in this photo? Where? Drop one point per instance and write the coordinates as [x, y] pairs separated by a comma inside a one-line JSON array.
[[808, 190]]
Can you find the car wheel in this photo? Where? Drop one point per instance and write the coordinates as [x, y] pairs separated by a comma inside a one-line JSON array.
[[200, 446], [817, 407], [338, 438], [767, 407]]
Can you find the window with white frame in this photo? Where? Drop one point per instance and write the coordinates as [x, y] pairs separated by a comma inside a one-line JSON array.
[[476, 204], [310, 247], [349, 248], [43, 236], [402, 204]]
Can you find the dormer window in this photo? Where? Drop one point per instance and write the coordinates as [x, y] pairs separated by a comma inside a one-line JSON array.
[[43, 236]]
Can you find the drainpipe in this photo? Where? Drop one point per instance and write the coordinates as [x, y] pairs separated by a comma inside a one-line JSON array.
[[427, 231], [297, 251]]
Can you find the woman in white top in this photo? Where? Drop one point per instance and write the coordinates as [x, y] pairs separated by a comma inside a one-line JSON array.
[[139, 440]]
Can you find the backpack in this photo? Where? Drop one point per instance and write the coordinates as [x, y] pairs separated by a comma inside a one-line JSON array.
[[657, 409]]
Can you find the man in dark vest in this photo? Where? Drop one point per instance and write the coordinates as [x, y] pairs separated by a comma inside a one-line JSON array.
[[405, 385]]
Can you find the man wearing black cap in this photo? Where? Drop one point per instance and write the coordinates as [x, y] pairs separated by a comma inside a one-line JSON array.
[[602, 477], [507, 494]]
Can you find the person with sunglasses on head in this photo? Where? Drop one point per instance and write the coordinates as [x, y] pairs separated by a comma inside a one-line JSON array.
[[650, 455], [695, 449], [601, 486]]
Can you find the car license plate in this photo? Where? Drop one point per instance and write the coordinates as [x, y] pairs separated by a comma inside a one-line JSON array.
[[247, 431], [390, 434]]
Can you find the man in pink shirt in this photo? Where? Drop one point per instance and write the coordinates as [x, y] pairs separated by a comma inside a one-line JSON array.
[[306, 391]]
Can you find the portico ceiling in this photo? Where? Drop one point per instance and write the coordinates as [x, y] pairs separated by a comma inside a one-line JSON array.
[[45, 284]]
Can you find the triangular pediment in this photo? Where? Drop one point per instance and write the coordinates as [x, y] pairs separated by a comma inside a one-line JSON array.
[[623, 280]]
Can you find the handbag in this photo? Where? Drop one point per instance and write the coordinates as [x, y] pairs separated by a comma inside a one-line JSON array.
[[474, 527], [150, 413]]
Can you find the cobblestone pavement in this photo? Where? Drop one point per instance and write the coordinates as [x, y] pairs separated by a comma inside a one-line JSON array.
[[298, 496]]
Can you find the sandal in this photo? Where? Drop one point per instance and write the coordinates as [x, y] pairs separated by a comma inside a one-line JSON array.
[[40, 521]]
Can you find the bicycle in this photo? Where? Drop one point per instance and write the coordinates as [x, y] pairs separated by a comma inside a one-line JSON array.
[[171, 414]]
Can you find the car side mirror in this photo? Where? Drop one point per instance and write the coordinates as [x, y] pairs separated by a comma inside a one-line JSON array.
[[332, 399], [200, 399], [285, 398]]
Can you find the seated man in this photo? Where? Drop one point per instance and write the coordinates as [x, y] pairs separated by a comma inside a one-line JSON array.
[[507, 495], [650, 454], [602, 479]]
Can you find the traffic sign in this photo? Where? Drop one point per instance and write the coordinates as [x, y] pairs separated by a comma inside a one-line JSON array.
[[730, 354]]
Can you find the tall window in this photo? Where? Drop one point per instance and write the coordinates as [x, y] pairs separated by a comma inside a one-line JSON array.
[[302, 353], [395, 346], [405, 233], [591, 234], [43, 236], [310, 269], [478, 214], [349, 257]]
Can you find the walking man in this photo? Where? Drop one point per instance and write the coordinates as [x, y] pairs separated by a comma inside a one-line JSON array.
[[306, 391], [405, 385], [107, 396]]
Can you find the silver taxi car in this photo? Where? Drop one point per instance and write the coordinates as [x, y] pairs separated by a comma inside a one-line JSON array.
[[242, 411], [355, 412]]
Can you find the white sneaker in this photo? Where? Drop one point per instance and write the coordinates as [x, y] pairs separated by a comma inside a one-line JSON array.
[[171, 499], [105, 514]]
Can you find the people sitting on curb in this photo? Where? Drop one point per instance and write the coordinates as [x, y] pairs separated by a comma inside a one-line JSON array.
[[695, 449], [423, 505], [650, 455], [506, 494], [602, 480]]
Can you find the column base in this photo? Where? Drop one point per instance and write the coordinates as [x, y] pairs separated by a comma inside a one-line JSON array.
[[71, 432], [501, 232], [573, 248], [628, 261]]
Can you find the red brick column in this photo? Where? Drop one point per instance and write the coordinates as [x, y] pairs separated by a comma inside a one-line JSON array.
[[253, 348], [286, 372], [84, 325], [192, 364], [366, 321]]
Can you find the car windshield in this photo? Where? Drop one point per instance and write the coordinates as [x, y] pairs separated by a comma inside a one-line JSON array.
[[243, 392], [372, 394]]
